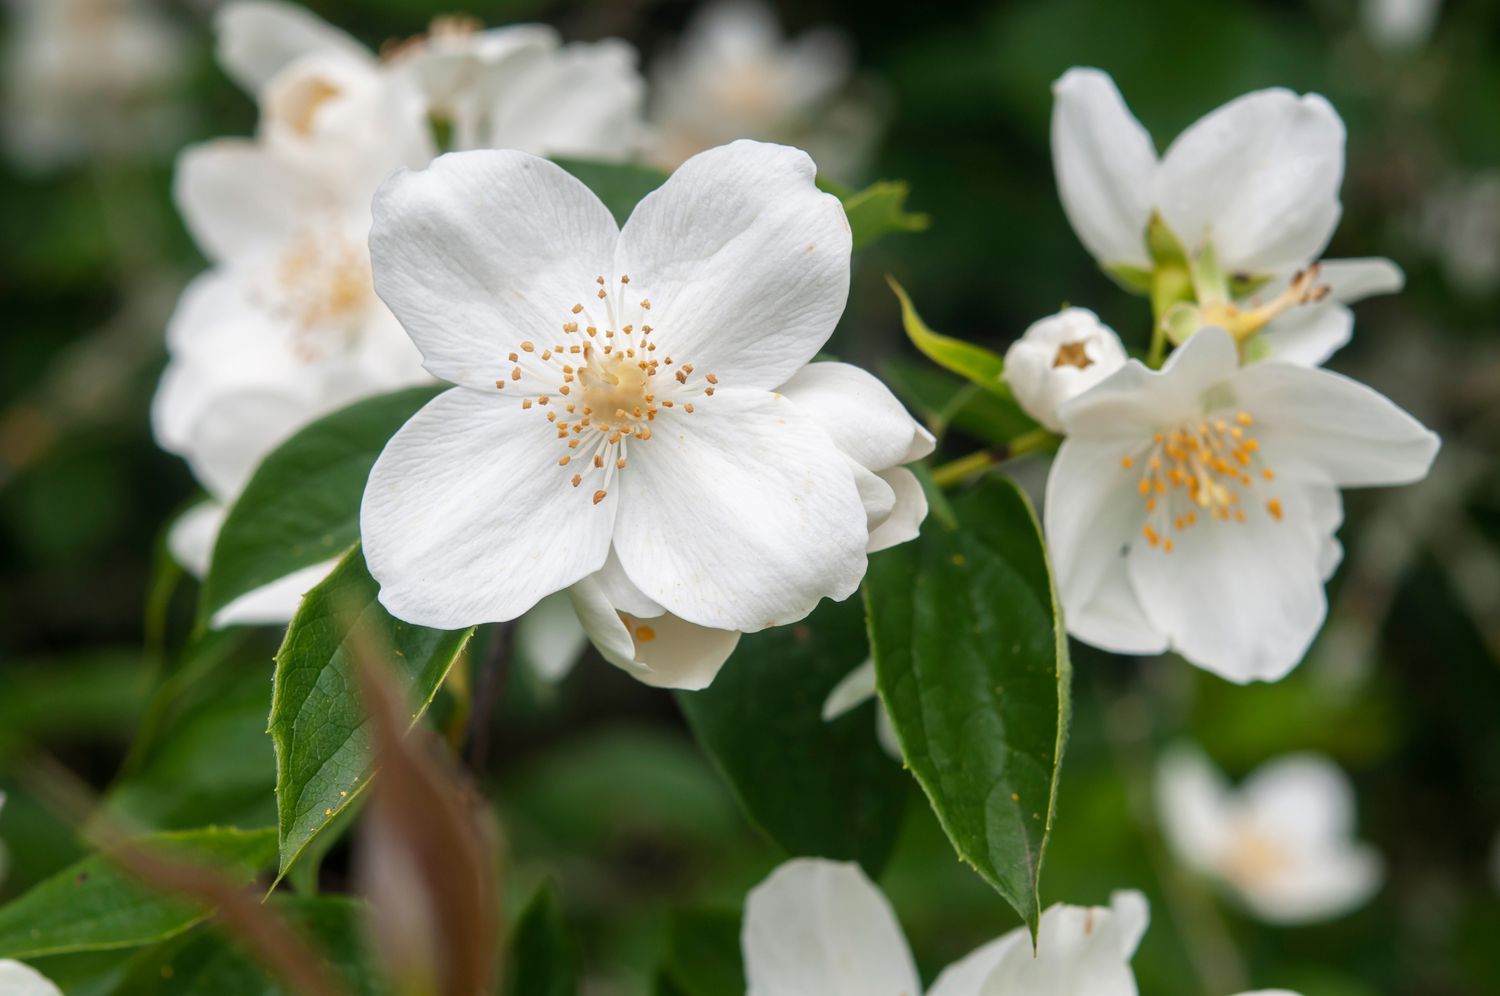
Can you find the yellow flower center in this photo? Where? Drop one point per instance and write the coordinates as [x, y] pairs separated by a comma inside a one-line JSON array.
[[321, 285], [1253, 859], [1072, 354], [604, 384], [1209, 468], [1243, 321]]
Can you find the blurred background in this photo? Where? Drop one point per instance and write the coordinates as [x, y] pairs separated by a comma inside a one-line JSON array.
[[596, 780]]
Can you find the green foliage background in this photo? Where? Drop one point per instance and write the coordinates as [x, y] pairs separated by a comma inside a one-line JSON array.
[[598, 782]]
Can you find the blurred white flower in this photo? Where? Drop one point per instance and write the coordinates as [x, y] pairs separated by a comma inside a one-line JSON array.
[[735, 75], [1057, 359], [854, 690], [665, 451], [85, 78], [520, 87], [1251, 191], [1194, 508], [817, 927], [1459, 223], [1282, 843], [19, 979], [1399, 25]]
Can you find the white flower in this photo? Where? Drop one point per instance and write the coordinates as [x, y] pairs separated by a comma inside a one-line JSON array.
[[1194, 508], [19, 979], [1282, 843], [520, 88], [854, 690], [734, 75], [1254, 186], [1399, 25], [85, 77], [1057, 359], [635, 418], [820, 928]]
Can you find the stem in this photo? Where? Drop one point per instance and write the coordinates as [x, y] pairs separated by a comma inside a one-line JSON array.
[[960, 470], [489, 684]]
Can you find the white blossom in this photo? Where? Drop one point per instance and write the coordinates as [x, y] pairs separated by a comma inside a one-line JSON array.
[[1194, 508], [1252, 189], [735, 75], [1282, 842], [87, 77], [1057, 359], [635, 418], [19, 979]]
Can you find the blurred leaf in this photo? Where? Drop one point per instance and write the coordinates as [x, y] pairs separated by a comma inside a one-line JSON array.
[[208, 962], [816, 788], [542, 962], [943, 401], [323, 744], [971, 660], [880, 210], [301, 507], [619, 185], [95, 905], [703, 954], [96, 694], [973, 363]]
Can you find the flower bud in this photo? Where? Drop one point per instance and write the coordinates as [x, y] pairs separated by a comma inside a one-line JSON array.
[[1058, 359]]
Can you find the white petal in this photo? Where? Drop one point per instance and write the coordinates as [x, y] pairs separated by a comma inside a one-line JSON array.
[[741, 515], [467, 518], [1352, 280], [664, 651], [877, 496], [859, 413], [1259, 178], [274, 603], [1241, 599], [1323, 885], [259, 38], [1135, 401], [1193, 806], [550, 637], [191, 538], [622, 592], [1092, 515], [1311, 334], [820, 928], [1079, 950], [967, 976], [17, 979], [745, 261], [1304, 798], [1104, 162], [905, 519], [484, 250], [1043, 377], [1325, 426], [237, 199], [853, 690], [585, 100]]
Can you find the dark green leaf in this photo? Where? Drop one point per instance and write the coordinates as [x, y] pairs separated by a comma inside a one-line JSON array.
[[973, 363], [619, 185], [93, 905], [301, 507], [703, 954], [971, 660], [319, 729], [816, 788], [541, 957], [944, 401], [880, 210]]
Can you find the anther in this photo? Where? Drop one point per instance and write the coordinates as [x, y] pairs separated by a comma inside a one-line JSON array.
[[599, 496]]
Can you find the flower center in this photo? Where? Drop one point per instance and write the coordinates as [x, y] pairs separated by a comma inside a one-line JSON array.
[[604, 384], [321, 282], [1209, 468], [1242, 322], [1252, 859], [1073, 354]]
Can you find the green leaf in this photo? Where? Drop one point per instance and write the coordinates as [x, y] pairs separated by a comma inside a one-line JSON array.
[[943, 401], [318, 726], [619, 185], [880, 210], [972, 662], [301, 507], [541, 961], [703, 954], [93, 905], [816, 788], [973, 363], [205, 961]]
